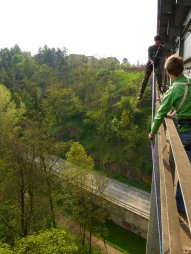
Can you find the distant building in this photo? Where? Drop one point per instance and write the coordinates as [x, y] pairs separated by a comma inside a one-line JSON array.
[[77, 59], [134, 68], [27, 53]]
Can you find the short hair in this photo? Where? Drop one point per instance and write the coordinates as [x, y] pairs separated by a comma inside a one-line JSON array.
[[174, 65], [157, 37]]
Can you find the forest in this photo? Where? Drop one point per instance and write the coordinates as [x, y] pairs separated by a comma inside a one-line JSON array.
[[77, 108]]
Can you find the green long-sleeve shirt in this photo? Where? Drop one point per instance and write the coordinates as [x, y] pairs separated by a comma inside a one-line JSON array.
[[171, 101]]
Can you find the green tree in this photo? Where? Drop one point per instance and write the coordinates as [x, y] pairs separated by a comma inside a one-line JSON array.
[[29, 204], [51, 56], [79, 158], [55, 241], [126, 62], [62, 107], [88, 210], [10, 115], [5, 248], [45, 76]]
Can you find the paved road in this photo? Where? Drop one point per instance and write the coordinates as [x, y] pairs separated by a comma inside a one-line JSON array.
[[119, 192], [129, 195]]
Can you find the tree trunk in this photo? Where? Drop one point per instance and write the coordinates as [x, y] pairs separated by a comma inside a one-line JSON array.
[[90, 226], [84, 236], [51, 202], [22, 203], [90, 242], [105, 246], [30, 210], [49, 194]]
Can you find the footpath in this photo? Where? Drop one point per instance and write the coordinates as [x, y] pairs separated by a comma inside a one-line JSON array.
[[72, 227]]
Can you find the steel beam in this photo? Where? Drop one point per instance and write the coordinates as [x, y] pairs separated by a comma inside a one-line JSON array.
[[184, 2]]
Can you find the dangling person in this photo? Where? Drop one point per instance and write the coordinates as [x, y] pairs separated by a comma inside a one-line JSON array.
[[156, 53]]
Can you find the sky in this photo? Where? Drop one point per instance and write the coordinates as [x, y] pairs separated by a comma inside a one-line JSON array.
[[101, 28]]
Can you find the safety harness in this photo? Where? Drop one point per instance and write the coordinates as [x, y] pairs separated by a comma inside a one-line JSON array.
[[183, 122], [186, 84]]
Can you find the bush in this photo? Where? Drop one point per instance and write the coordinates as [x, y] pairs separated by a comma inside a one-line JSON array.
[[48, 242]]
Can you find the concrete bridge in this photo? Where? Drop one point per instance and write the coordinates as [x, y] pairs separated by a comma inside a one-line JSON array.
[[170, 231], [129, 206]]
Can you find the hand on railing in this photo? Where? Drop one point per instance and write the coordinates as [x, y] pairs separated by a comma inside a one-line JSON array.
[[151, 136]]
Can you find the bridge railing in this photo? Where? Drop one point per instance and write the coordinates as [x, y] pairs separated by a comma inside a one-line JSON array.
[[117, 202], [173, 166], [59, 169]]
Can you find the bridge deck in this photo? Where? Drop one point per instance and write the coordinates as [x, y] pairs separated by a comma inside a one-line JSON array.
[[129, 195], [131, 198]]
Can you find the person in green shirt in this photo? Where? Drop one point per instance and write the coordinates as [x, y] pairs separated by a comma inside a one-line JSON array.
[[156, 53], [178, 100]]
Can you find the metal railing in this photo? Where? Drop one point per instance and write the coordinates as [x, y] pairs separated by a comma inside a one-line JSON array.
[[173, 166], [118, 202], [58, 168], [58, 165]]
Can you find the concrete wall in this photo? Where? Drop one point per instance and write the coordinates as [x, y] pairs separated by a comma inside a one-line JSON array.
[[128, 219]]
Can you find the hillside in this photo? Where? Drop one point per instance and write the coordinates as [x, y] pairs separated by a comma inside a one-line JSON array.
[[81, 109], [84, 99]]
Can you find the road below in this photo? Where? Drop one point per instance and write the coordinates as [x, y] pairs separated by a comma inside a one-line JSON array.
[[128, 195], [117, 192]]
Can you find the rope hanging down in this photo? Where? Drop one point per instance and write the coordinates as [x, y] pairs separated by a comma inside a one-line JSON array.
[[154, 167]]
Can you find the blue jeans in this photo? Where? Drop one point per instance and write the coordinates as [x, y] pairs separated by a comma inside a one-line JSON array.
[[186, 140]]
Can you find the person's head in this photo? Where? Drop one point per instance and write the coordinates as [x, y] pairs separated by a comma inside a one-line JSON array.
[[174, 66], [157, 39]]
